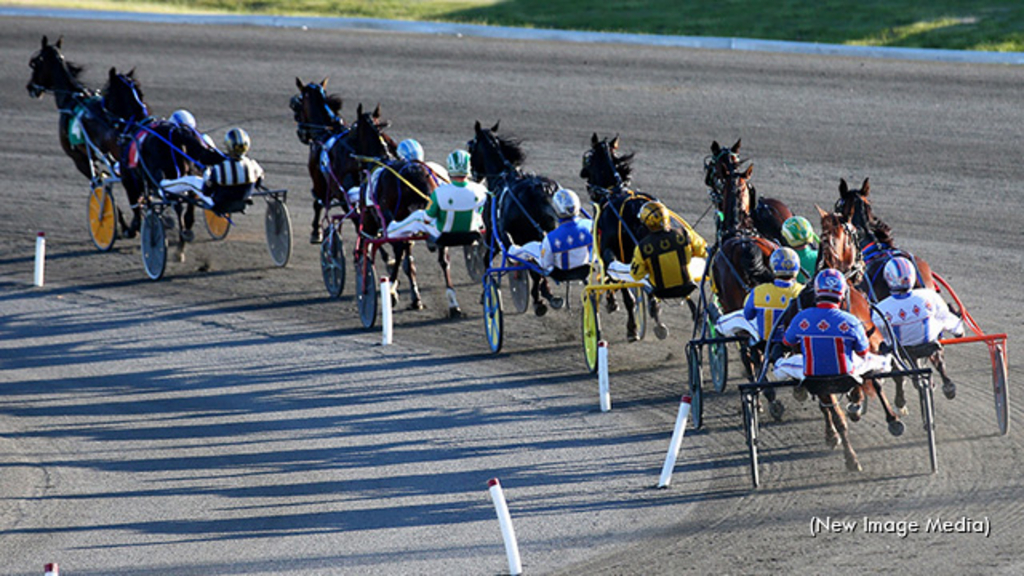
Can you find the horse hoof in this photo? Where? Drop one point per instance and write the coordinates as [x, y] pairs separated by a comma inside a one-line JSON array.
[[896, 428], [129, 234], [188, 235], [316, 236], [417, 305], [853, 465], [632, 336], [854, 410], [949, 390], [556, 302], [903, 411], [800, 394], [834, 442], [612, 305], [661, 331], [540, 309], [900, 401], [776, 409], [181, 256], [455, 313]]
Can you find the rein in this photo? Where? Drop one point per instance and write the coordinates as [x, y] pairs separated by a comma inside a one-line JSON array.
[[378, 162]]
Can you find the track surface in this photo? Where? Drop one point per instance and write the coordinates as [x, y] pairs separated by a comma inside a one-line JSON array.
[[231, 419]]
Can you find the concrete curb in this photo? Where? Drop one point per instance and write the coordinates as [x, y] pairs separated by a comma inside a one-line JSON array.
[[507, 33]]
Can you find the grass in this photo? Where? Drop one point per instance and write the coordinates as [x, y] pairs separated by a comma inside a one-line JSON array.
[[988, 25]]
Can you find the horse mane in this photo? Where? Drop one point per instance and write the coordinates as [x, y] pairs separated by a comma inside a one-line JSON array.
[[333, 102], [511, 148], [131, 76]]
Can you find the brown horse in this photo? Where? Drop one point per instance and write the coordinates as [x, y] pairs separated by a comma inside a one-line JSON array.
[[838, 250], [766, 214], [88, 132], [875, 240]]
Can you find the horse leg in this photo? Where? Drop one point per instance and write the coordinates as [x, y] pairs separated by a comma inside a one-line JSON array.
[[317, 235], [392, 269], [901, 400], [611, 304], [826, 402], [181, 233], [409, 266], [540, 287], [852, 462], [660, 330], [938, 359], [453, 305], [858, 404], [632, 333], [891, 417], [133, 202], [189, 221]]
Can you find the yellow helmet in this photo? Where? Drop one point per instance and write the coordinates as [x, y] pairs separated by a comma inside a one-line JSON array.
[[654, 215]]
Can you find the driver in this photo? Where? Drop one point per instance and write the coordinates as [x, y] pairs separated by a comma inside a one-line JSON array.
[[231, 181], [800, 236], [455, 209]]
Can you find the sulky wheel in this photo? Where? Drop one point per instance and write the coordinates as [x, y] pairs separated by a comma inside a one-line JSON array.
[[519, 286], [218, 226], [278, 225], [591, 330], [102, 217], [475, 255], [332, 262], [366, 292], [693, 362], [999, 389], [154, 244], [494, 321]]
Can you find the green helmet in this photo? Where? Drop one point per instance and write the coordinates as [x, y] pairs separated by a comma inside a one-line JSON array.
[[458, 163], [797, 231]]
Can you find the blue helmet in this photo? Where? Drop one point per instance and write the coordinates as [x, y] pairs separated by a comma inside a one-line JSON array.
[[785, 262], [410, 150], [830, 284]]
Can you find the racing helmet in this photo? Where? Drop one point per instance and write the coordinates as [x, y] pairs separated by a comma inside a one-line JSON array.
[[900, 274], [458, 163], [785, 263], [410, 150], [654, 215], [797, 231], [236, 142], [566, 202], [183, 118], [830, 284]]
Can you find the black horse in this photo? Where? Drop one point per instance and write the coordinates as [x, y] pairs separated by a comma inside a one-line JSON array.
[[322, 128], [395, 189], [88, 132], [618, 227], [154, 150], [525, 212]]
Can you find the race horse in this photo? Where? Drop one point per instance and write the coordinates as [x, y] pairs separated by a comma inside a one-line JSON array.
[[618, 227], [875, 240], [87, 131], [524, 208], [321, 127], [767, 214], [838, 250], [154, 150], [394, 189]]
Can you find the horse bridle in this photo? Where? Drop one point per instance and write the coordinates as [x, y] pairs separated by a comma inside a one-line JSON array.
[[857, 267]]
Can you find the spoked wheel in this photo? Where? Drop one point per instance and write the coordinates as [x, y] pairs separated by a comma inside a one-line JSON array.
[[218, 226], [696, 386], [154, 245], [475, 255], [519, 286], [1000, 390], [278, 225], [102, 217], [332, 262], [640, 311], [924, 388], [750, 426], [366, 292], [591, 330], [494, 321], [718, 360]]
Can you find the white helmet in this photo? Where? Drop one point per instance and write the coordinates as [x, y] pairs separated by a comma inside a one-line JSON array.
[[183, 118], [410, 150], [900, 274], [566, 202]]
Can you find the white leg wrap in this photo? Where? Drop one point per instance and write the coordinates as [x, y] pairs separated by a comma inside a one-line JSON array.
[[452, 302]]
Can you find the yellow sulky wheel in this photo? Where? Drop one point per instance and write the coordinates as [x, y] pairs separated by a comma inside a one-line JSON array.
[[102, 218]]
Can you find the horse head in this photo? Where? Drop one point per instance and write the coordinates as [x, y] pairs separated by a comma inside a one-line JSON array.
[[316, 112], [732, 187], [492, 155], [838, 247], [123, 97], [368, 138], [855, 206], [51, 71], [604, 170]]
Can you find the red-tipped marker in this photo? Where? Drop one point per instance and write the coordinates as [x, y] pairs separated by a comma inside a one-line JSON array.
[[50, 569]]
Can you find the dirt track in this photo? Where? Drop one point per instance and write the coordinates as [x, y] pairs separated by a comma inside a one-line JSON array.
[[941, 144]]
